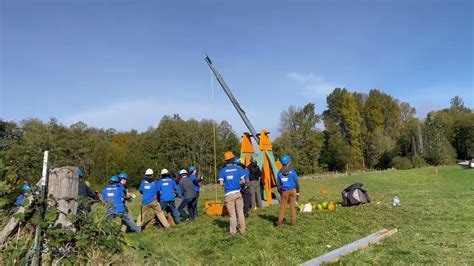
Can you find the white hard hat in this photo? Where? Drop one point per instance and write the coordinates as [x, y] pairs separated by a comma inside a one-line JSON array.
[[165, 171], [149, 171], [182, 172]]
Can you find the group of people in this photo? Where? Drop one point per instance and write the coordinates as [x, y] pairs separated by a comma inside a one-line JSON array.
[[158, 196], [234, 177], [241, 185]]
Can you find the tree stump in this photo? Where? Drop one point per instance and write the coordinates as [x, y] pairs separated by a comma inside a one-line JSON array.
[[63, 185]]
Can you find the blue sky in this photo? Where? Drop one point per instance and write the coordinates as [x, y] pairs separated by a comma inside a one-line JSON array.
[[125, 64]]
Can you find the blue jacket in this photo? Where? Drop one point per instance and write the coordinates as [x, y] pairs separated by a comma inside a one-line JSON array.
[[19, 200], [194, 178], [231, 175], [167, 187], [113, 196], [123, 188], [149, 190], [287, 181]]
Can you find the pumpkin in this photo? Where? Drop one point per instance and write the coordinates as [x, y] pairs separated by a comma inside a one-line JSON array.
[[331, 206]]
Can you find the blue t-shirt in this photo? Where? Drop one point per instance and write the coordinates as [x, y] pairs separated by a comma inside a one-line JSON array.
[[149, 191], [231, 175], [20, 199], [289, 181], [167, 187], [123, 188], [113, 196], [194, 179]]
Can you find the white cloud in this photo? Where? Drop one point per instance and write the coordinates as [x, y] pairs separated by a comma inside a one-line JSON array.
[[313, 86]]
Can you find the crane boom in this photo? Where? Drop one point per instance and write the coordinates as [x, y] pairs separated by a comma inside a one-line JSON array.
[[233, 100]]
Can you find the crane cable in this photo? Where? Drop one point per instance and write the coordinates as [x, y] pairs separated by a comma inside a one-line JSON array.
[[214, 133]]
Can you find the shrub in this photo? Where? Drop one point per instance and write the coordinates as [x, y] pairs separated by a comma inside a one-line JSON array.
[[418, 161], [95, 240], [401, 163]]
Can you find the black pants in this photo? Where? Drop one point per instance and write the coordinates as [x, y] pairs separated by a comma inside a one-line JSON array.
[[247, 200]]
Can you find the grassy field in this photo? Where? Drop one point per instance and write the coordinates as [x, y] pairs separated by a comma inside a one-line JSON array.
[[435, 223]]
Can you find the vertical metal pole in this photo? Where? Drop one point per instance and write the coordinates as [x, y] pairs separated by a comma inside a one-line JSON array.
[[38, 238]]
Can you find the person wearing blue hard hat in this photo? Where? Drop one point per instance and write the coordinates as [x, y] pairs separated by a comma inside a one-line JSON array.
[[193, 175], [123, 185], [189, 196], [231, 177], [21, 198], [287, 182], [149, 189], [113, 196], [85, 194]]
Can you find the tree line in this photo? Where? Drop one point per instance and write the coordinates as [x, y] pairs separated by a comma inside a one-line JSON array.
[[174, 144], [361, 131], [374, 131]]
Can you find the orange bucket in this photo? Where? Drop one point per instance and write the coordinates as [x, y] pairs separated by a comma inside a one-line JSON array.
[[215, 208]]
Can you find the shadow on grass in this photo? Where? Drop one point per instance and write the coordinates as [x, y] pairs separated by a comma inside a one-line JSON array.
[[271, 218], [221, 223]]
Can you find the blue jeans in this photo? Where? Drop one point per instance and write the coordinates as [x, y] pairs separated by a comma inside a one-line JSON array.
[[125, 219], [190, 204], [174, 211]]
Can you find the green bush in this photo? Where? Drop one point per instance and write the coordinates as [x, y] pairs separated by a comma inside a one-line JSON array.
[[401, 163], [96, 240], [418, 161]]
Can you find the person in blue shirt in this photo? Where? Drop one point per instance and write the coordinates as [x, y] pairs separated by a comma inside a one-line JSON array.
[[22, 196], [287, 182], [149, 190], [123, 185], [245, 189], [231, 177], [167, 188], [197, 187], [113, 195]]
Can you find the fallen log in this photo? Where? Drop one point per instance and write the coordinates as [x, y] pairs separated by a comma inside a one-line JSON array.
[[334, 255], [13, 223]]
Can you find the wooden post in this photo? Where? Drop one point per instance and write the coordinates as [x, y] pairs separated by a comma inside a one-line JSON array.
[[334, 255], [38, 234], [246, 150]]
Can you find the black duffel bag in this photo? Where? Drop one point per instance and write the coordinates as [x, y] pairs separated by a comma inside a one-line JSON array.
[[355, 195]]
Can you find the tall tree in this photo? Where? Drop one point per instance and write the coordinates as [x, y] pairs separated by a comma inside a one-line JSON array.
[[438, 150], [343, 122], [300, 138]]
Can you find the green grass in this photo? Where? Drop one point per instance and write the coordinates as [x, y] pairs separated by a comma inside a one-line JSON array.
[[435, 223]]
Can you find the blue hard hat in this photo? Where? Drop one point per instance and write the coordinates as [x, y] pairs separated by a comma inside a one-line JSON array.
[[114, 178], [123, 175], [237, 160], [25, 187], [192, 168], [79, 172], [253, 158], [285, 159]]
